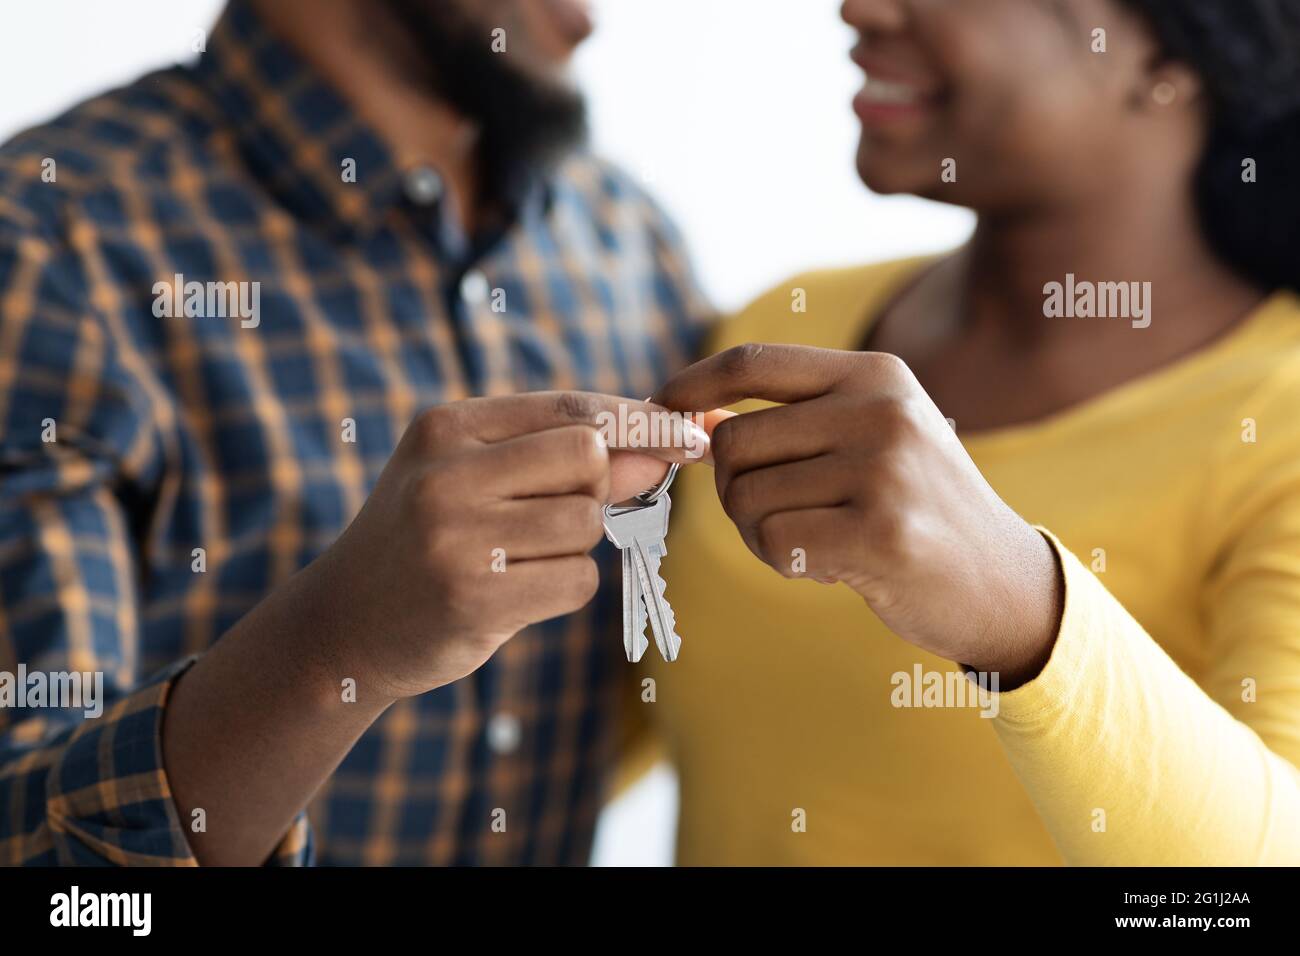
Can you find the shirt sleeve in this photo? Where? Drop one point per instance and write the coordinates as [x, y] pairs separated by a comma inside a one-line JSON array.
[[82, 780], [1128, 759]]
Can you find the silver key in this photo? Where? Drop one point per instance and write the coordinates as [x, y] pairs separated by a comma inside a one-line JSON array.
[[634, 616], [639, 532], [666, 634]]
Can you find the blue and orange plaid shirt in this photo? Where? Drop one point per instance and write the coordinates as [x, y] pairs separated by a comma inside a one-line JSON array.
[[128, 442]]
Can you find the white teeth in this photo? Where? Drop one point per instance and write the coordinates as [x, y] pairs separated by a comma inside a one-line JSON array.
[[883, 91]]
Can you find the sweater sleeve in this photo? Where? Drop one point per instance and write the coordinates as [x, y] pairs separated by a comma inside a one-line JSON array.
[[1132, 762]]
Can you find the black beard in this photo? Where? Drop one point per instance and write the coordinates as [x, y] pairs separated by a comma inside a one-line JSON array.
[[526, 125]]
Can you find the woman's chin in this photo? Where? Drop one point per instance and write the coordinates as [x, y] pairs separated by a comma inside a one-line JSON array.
[[887, 176]]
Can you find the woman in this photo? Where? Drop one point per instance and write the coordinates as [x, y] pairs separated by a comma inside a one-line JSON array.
[[1110, 538]]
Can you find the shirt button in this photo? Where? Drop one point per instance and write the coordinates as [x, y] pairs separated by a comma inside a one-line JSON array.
[[423, 185], [474, 287], [504, 733]]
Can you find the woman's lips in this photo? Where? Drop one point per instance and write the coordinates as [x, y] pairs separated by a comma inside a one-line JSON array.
[[889, 93], [881, 101]]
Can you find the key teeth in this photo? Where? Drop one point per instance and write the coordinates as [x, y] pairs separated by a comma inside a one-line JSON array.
[[662, 587], [673, 642], [640, 620]]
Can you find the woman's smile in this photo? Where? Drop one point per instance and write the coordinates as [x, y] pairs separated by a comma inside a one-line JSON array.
[[884, 102], [892, 93]]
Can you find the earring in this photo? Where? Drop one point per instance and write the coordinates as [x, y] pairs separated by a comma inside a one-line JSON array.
[[1164, 93]]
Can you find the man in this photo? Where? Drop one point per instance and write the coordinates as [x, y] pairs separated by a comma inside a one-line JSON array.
[[225, 292]]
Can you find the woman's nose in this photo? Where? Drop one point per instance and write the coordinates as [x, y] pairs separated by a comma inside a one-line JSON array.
[[874, 15]]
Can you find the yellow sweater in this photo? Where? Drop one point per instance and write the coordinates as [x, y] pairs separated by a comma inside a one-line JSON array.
[[1165, 729]]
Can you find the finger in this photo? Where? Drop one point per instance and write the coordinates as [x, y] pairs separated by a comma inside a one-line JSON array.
[[715, 418], [710, 422], [782, 433], [625, 422], [821, 482], [778, 373], [557, 461], [548, 587], [529, 528], [809, 543]]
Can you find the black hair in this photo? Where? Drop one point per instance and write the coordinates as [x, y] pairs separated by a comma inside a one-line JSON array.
[[1247, 55]]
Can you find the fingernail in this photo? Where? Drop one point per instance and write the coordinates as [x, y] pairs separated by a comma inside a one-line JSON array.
[[696, 439]]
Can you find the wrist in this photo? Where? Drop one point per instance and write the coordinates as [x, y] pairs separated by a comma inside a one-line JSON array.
[[1029, 619], [326, 631]]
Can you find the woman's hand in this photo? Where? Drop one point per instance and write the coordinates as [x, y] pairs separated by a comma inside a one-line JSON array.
[[859, 473]]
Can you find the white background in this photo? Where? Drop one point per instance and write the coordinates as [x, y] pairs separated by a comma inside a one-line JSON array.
[[735, 112]]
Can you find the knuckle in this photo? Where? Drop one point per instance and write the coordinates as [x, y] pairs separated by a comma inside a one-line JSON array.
[[433, 428], [583, 448], [890, 367], [725, 438], [770, 536], [589, 579], [593, 520], [739, 497], [583, 583], [739, 359], [897, 421], [581, 518], [576, 406]]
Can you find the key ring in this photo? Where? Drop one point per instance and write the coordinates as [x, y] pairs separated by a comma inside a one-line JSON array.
[[659, 490]]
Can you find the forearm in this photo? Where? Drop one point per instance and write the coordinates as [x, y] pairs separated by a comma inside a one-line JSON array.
[[255, 727]]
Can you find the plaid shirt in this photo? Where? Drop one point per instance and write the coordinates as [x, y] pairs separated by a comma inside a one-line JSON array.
[[172, 434]]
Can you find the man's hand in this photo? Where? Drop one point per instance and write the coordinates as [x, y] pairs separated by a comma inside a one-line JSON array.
[[404, 601], [479, 526], [861, 472]]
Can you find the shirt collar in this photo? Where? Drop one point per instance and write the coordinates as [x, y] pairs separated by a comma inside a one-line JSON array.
[[301, 138]]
